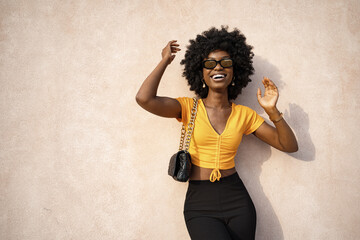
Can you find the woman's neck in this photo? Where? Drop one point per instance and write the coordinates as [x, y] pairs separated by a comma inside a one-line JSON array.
[[217, 100]]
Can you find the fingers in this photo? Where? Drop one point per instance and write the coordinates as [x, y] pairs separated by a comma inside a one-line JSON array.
[[266, 81], [268, 84], [173, 46], [172, 41]]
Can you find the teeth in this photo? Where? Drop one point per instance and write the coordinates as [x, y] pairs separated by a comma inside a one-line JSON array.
[[218, 76]]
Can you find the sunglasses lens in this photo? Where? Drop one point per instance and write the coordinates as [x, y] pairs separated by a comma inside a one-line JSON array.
[[209, 64], [226, 63]]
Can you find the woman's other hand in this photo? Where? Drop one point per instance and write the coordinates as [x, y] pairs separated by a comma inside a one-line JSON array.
[[280, 137], [168, 53], [271, 95]]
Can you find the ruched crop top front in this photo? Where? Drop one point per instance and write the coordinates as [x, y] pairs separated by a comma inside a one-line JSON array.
[[208, 149]]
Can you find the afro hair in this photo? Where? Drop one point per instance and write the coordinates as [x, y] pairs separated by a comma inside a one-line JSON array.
[[234, 43]]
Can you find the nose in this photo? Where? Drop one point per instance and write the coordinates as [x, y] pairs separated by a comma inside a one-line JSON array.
[[218, 66]]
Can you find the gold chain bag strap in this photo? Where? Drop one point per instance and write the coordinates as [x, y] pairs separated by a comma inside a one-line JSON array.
[[180, 162]]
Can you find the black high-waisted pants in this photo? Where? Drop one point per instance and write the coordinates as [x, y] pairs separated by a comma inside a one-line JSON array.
[[219, 210]]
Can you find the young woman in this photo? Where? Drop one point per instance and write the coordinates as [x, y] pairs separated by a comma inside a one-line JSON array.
[[218, 64]]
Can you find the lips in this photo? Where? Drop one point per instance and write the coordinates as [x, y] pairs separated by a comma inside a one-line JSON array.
[[218, 77]]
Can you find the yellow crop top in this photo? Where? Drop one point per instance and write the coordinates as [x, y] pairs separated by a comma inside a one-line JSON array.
[[207, 148]]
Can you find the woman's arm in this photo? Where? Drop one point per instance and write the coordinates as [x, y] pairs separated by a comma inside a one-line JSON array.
[[280, 137], [147, 95]]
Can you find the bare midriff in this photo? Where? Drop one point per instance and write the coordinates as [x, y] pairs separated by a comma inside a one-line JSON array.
[[199, 173]]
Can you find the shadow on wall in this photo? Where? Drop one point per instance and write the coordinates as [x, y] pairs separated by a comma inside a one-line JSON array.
[[252, 153]]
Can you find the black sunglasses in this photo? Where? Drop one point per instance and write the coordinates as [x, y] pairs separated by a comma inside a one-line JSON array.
[[225, 63]]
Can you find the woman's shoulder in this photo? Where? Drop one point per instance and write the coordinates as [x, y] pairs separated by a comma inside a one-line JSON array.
[[185, 100], [240, 107], [244, 110]]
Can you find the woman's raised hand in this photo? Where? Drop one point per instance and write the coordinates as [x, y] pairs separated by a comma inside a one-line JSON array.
[[271, 95], [168, 53], [281, 136]]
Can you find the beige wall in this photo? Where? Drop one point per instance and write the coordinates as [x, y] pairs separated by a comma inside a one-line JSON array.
[[79, 159]]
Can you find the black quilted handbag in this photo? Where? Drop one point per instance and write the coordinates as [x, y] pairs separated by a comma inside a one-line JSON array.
[[180, 162]]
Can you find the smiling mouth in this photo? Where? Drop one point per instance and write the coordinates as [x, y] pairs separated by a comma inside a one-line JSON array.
[[218, 77]]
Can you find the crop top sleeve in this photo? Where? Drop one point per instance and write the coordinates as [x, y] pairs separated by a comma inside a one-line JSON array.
[[252, 121], [186, 106]]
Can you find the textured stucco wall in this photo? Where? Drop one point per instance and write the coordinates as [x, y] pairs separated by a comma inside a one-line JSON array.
[[80, 160]]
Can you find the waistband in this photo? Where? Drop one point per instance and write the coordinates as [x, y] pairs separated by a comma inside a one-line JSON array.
[[231, 178]]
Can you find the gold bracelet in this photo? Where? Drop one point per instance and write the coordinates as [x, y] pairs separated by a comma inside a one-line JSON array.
[[277, 120]]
